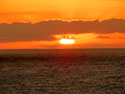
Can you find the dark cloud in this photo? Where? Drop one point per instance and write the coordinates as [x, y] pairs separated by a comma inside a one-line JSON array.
[[45, 30], [105, 37], [109, 37]]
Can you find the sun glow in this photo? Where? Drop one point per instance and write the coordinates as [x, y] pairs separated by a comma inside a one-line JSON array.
[[67, 41]]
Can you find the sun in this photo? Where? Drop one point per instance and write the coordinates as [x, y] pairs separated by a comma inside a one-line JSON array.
[[67, 40]]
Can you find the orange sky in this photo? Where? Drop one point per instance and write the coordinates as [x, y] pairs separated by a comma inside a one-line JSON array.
[[39, 10], [67, 10]]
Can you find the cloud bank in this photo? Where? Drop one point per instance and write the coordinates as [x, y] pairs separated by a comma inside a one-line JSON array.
[[43, 31]]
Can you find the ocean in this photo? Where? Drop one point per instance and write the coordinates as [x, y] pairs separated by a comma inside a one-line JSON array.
[[62, 71]]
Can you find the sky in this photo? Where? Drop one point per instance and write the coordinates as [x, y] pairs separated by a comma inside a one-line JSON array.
[[40, 24]]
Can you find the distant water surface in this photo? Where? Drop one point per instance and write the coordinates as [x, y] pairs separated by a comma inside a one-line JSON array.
[[66, 71]]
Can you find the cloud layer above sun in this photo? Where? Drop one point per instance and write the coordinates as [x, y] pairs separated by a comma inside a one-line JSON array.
[[44, 31]]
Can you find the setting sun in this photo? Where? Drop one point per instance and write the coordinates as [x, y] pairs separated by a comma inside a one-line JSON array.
[[67, 41]]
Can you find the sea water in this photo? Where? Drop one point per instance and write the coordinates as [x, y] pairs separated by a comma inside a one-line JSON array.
[[62, 71]]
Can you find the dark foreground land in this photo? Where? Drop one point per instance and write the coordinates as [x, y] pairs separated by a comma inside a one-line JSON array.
[[87, 71]]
